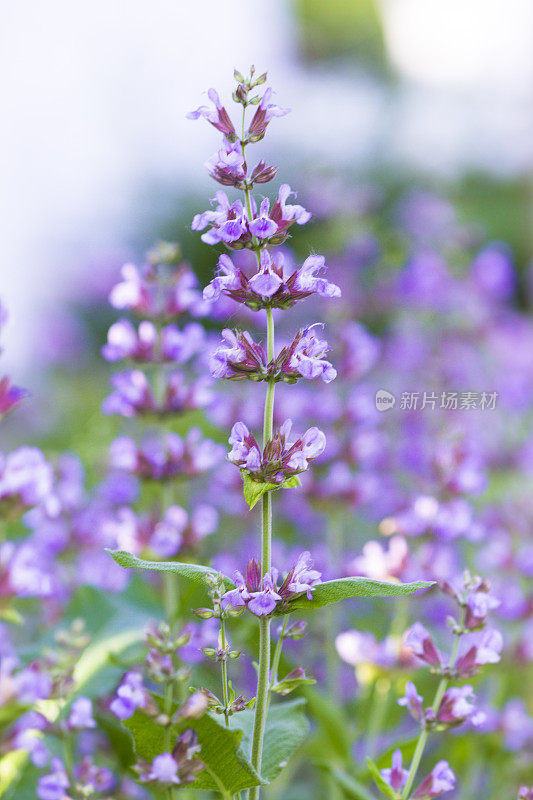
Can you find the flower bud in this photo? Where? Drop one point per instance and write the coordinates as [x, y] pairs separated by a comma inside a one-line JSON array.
[[204, 613]]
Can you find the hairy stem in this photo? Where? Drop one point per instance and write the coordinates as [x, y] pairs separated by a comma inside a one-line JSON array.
[[266, 549], [262, 698], [224, 664]]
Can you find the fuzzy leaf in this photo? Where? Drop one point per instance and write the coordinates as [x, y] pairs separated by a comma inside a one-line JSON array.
[[380, 781], [324, 594], [193, 572], [226, 763], [286, 728], [254, 491]]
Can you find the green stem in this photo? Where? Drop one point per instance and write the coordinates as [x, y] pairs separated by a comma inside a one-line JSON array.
[[169, 695], [225, 692], [261, 701], [69, 760], [266, 549], [263, 681], [424, 734], [380, 702]]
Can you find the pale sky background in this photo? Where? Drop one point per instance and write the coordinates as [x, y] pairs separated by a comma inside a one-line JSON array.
[[94, 97]]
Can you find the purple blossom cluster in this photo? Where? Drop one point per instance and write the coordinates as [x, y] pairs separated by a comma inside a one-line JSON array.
[[261, 594], [282, 458], [270, 287], [165, 457], [240, 358]]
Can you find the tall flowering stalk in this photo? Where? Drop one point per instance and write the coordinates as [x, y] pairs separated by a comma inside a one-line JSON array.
[[275, 462], [260, 228]]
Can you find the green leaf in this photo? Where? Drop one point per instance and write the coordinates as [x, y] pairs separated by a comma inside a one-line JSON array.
[[193, 572], [11, 767], [11, 615], [286, 728], [351, 786], [10, 712], [288, 685], [254, 491], [120, 739], [334, 732], [380, 781], [324, 594], [226, 762]]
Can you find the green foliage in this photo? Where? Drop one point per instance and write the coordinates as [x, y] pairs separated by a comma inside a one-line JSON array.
[[10, 712], [346, 588], [227, 766], [334, 734], [288, 685], [254, 491], [286, 729], [380, 781], [192, 572], [116, 625]]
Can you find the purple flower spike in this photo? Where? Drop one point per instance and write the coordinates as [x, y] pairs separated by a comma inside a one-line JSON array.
[[456, 705], [165, 457], [270, 287], [164, 770], [26, 479], [281, 458], [217, 116], [240, 358], [53, 785], [413, 701], [10, 396], [264, 113], [525, 793], [301, 578], [143, 292], [145, 345], [227, 165], [486, 649], [305, 358], [396, 777], [422, 645], [131, 695], [81, 714], [261, 594], [441, 779]]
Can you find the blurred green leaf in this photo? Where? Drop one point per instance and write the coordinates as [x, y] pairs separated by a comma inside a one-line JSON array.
[[380, 781], [286, 729], [11, 768]]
